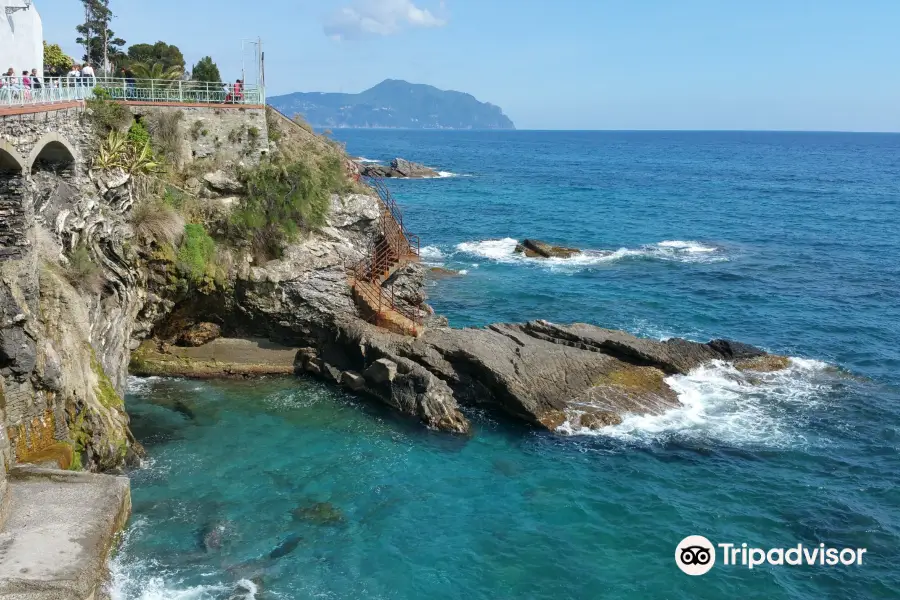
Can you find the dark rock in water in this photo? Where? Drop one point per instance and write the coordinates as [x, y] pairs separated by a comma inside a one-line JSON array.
[[399, 167], [540, 372], [212, 535], [289, 544], [539, 249], [319, 513], [183, 409], [200, 334], [411, 169], [599, 420]]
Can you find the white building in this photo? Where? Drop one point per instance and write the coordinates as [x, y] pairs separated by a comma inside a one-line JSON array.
[[21, 37]]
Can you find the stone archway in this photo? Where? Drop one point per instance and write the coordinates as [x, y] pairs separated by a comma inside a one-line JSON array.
[[13, 237], [52, 149]]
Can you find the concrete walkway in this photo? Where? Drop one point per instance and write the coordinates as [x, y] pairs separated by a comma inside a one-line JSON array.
[[61, 528]]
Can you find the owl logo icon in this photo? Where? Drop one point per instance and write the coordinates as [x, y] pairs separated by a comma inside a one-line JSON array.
[[695, 555]]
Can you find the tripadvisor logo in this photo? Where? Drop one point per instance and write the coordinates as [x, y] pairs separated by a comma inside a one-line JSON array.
[[696, 555]]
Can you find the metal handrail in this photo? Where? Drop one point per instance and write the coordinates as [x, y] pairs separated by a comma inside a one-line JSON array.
[[21, 90], [393, 245]]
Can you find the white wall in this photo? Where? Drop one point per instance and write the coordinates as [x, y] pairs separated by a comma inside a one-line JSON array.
[[21, 39]]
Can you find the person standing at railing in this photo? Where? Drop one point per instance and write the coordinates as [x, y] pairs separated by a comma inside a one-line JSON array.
[[74, 76], [35, 80], [26, 86], [88, 78]]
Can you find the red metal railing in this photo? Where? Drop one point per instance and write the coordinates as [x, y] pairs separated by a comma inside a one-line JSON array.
[[394, 247]]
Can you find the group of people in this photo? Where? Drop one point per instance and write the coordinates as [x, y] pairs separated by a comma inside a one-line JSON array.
[[27, 81], [83, 76]]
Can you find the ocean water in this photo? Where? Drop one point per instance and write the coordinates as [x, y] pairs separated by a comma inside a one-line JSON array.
[[284, 488]]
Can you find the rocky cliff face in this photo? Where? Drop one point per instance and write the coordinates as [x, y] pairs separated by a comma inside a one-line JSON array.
[[89, 287], [65, 334]]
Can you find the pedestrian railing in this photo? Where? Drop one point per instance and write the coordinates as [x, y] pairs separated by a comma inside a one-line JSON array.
[[20, 91], [162, 90]]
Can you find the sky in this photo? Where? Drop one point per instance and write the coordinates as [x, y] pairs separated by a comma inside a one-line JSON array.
[[829, 65]]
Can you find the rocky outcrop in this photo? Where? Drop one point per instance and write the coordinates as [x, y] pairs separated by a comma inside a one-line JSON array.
[[539, 249], [199, 334], [399, 167], [539, 372]]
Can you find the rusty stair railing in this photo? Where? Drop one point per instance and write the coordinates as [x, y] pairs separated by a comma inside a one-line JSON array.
[[393, 248]]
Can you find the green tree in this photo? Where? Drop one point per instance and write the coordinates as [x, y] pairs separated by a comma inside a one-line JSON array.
[[156, 71], [101, 46], [55, 59], [206, 70], [168, 55]]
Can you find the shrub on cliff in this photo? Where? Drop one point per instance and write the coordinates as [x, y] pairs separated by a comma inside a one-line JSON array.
[[283, 199], [197, 259], [156, 219], [107, 115]]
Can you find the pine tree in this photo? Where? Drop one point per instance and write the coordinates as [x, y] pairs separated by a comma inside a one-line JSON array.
[[101, 46], [206, 70]]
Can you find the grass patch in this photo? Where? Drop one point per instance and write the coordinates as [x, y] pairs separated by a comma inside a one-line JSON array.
[[82, 272], [165, 134], [158, 220], [197, 259]]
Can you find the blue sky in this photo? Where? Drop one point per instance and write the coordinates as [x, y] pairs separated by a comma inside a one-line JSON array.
[[560, 64]]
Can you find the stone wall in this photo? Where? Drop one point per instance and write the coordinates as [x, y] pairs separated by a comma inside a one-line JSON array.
[[232, 134]]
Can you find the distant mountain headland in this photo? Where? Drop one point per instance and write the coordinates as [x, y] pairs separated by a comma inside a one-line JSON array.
[[394, 104]]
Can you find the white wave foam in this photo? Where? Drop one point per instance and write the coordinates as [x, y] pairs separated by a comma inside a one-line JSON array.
[[363, 159], [720, 404], [686, 246], [498, 250], [463, 272], [431, 253], [444, 174], [671, 250]]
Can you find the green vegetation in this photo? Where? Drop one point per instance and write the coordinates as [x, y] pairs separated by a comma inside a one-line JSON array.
[[196, 258], [138, 134], [206, 70], [284, 198], [56, 59], [104, 389], [156, 70], [157, 219], [99, 41], [167, 55], [165, 137], [82, 272], [107, 115], [117, 151]]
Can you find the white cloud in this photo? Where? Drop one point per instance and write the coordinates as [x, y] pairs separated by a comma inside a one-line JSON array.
[[367, 18]]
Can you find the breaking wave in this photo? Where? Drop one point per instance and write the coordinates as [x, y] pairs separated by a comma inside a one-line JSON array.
[[146, 579], [720, 404], [503, 250], [363, 159], [432, 255]]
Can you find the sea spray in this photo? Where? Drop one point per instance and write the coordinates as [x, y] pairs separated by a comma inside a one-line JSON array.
[[722, 405]]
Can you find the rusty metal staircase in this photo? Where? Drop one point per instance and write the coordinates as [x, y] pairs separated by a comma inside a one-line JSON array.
[[392, 249]]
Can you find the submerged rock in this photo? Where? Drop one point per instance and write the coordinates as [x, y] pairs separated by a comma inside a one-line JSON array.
[[539, 249], [319, 513]]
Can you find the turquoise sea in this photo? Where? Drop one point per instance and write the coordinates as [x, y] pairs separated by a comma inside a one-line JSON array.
[[285, 488]]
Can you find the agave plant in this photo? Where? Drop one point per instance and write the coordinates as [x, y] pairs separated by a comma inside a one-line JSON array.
[[139, 160], [112, 152]]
